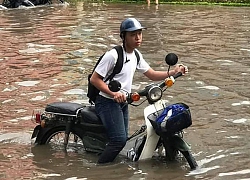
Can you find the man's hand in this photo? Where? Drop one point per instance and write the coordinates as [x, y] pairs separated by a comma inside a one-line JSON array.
[[181, 68], [119, 97]]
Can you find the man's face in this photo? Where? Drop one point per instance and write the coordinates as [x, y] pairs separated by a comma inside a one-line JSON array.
[[133, 39]]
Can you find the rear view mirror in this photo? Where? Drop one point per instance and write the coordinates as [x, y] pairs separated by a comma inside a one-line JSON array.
[[171, 59]]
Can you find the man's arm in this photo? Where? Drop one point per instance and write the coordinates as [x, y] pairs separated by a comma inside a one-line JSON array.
[[161, 75]]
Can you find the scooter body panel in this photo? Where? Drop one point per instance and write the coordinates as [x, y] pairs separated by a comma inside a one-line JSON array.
[[152, 138]]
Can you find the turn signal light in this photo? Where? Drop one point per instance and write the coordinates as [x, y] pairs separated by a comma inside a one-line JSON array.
[[135, 97], [169, 82]]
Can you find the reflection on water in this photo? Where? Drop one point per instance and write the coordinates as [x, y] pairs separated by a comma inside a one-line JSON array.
[[47, 52]]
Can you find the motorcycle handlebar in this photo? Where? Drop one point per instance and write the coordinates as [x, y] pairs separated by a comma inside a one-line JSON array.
[[144, 92], [165, 83], [131, 97], [177, 75]]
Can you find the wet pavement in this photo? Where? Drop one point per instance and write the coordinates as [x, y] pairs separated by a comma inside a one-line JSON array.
[[47, 52]]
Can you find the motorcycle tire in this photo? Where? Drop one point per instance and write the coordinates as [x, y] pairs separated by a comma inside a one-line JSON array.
[[55, 138], [190, 159]]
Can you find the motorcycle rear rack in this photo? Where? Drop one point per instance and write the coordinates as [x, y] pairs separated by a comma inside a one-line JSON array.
[[61, 114]]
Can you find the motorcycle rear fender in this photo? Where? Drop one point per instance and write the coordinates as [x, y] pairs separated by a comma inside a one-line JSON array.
[[179, 143], [38, 133]]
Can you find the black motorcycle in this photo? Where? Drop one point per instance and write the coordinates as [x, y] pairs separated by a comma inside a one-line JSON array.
[[76, 126]]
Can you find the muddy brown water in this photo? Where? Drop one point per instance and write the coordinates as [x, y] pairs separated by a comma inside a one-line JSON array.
[[47, 52]]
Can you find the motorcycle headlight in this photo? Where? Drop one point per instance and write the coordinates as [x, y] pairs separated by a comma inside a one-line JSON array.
[[154, 94]]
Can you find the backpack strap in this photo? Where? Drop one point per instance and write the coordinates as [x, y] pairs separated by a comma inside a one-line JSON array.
[[137, 56], [119, 63], [100, 58]]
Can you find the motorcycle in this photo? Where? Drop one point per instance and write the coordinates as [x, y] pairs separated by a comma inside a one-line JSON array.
[[73, 125], [27, 3]]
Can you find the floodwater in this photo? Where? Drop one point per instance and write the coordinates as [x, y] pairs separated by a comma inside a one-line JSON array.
[[47, 52]]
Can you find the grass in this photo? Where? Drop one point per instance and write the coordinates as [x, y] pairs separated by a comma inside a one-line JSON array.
[[181, 2]]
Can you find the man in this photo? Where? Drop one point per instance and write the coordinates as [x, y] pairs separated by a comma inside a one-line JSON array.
[[110, 106]]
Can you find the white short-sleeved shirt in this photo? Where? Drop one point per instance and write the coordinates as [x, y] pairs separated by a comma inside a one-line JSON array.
[[125, 77]]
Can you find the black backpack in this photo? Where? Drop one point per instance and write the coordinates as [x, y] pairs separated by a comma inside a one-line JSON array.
[[92, 90]]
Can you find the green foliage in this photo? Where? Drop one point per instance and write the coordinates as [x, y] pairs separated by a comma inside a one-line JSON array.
[[183, 2]]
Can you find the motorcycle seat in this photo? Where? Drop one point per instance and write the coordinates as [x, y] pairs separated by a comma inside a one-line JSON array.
[[64, 108], [88, 114]]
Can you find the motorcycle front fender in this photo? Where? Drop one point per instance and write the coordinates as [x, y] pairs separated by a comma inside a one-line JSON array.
[[179, 143]]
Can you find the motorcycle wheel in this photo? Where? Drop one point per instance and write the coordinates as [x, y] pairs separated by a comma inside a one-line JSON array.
[[171, 154], [190, 159], [55, 138]]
